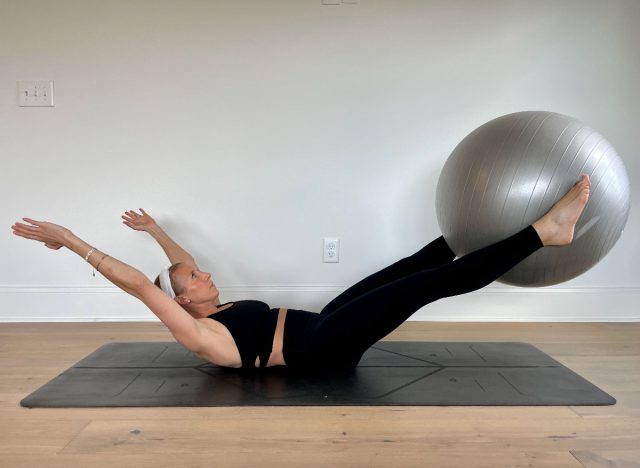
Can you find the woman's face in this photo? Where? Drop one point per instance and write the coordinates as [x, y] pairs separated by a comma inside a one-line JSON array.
[[196, 285]]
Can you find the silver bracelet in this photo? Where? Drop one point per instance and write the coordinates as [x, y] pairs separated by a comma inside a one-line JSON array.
[[86, 259]]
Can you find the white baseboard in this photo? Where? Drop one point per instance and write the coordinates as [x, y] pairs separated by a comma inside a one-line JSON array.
[[21, 303]]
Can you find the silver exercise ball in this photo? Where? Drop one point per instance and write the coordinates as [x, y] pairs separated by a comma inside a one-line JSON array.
[[509, 172]]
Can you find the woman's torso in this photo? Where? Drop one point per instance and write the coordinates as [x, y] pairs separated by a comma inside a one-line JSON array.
[[222, 332], [261, 323], [233, 354]]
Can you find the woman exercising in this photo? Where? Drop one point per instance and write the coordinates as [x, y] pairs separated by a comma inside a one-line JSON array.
[[248, 334]]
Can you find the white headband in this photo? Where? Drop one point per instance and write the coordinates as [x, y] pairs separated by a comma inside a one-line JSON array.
[[165, 283]]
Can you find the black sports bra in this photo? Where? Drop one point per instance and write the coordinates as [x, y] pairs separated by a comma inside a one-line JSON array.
[[252, 325]]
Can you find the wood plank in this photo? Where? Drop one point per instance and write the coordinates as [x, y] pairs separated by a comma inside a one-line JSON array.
[[382, 455], [196, 436]]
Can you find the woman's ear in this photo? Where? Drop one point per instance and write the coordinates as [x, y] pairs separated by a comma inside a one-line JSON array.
[[182, 300]]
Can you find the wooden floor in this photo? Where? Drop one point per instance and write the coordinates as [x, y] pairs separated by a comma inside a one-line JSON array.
[[607, 354]]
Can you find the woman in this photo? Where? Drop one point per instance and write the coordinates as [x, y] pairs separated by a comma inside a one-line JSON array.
[[249, 334]]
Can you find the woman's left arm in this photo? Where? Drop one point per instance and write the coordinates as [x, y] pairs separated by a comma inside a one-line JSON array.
[[144, 222]]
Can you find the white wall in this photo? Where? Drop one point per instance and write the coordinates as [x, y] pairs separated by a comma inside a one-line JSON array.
[[252, 129]]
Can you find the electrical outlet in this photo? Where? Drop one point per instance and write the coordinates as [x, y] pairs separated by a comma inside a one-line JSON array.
[[331, 250], [35, 93]]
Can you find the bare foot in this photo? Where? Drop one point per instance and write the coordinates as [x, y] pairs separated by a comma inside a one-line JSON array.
[[556, 227]]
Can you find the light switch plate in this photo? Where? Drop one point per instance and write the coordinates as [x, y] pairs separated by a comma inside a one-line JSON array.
[[35, 93]]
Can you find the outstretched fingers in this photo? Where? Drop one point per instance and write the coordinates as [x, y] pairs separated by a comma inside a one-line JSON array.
[[33, 221], [131, 214], [26, 227], [25, 230], [33, 232], [27, 235]]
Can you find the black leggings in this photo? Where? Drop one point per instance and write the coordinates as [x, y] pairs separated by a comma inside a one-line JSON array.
[[375, 306]]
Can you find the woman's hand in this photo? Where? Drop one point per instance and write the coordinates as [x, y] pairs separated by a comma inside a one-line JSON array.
[[138, 222], [52, 235]]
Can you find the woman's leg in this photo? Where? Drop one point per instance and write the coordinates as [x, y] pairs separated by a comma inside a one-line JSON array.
[[344, 335], [434, 254]]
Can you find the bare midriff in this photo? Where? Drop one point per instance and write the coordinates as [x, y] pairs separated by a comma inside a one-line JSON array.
[[276, 358]]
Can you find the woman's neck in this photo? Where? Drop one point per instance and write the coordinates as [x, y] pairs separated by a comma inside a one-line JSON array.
[[203, 309]]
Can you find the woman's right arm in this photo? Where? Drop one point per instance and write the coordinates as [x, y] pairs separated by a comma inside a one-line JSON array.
[[144, 222], [127, 278]]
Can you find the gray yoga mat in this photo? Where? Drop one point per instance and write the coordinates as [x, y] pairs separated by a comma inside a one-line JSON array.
[[390, 373]]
